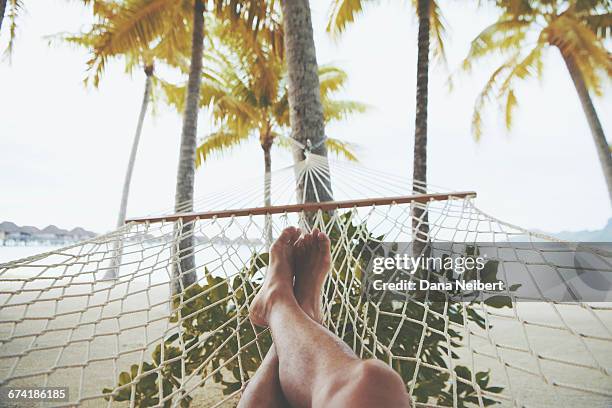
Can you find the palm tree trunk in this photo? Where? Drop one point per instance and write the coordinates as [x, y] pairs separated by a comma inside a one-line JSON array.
[[420, 223], [601, 144], [306, 111], [118, 246], [2, 10], [128, 174], [184, 273], [267, 146]]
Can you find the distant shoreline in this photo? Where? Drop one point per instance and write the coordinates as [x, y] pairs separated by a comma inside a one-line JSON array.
[[12, 234]]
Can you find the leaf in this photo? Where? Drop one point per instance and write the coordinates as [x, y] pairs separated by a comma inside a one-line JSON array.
[[134, 370], [15, 7], [218, 143], [124, 378], [601, 24], [341, 148], [510, 107], [342, 13], [463, 372], [499, 301], [488, 274], [230, 387]]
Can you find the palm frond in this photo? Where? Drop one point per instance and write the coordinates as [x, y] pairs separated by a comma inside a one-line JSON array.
[[217, 143], [15, 7], [511, 104], [485, 95], [134, 28], [600, 24], [280, 109], [335, 110], [438, 31], [103, 9], [341, 148], [173, 94], [577, 28], [331, 79], [337, 147], [244, 83], [260, 18], [529, 66], [342, 13], [284, 142], [500, 37]]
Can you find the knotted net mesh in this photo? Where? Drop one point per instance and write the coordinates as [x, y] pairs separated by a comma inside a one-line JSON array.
[[100, 317]]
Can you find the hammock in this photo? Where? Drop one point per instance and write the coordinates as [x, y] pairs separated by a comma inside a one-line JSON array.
[[100, 316]]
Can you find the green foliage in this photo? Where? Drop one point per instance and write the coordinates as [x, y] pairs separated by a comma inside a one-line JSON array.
[[521, 35], [417, 323], [14, 9], [218, 342], [244, 84], [212, 324], [144, 32]]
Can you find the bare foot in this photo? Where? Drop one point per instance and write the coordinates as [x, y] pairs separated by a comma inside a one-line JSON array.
[[312, 264], [278, 283]]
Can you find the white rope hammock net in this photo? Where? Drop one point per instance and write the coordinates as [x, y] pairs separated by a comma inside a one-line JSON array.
[[62, 324]]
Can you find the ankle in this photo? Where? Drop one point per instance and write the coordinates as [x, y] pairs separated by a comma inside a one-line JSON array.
[[277, 293], [312, 310], [276, 263]]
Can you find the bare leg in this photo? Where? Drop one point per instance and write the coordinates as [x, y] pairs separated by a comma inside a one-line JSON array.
[[316, 368], [264, 389]]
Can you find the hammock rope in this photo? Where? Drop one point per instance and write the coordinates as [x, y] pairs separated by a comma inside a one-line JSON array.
[[63, 324]]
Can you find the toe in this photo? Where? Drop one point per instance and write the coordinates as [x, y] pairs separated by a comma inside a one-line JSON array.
[[289, 235], [298, 247], [324, 242]]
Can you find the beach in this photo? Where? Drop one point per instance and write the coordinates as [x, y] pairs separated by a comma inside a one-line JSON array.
[[84, 337]]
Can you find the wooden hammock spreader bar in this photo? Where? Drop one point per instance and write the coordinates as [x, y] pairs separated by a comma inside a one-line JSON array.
[[293, 208]]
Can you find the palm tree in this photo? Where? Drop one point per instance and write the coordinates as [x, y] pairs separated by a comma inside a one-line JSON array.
[[102, 42], [142, 23], [523, 32], [246, 87], [420, 222], [306, 110], [185, 268], [135, 26], [343, 13], [256, 16]]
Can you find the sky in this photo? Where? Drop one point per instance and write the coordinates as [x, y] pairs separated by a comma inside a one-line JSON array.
[[64, 147]]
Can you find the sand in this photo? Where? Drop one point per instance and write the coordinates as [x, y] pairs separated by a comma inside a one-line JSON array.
[[117, 327], [108, 339]]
